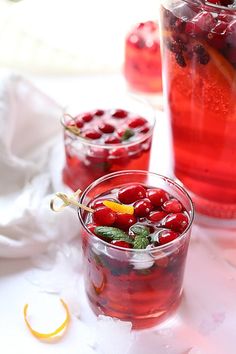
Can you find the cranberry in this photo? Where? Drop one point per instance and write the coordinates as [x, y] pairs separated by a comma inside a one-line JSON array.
[[79, 123], [135, 151], [91, 227], [157, 196], [86, 117], [98, 203], [120, 113], [177, 222], [92, 134], [112, 140], [99, 112], [121, 244], [167, 236], [106, 128], [131, 193], [216, 37], [172, 206], [145, 129], [142, 207], [124, 221], [119, 156], [156, 216], [104, 216], [137, 122], [202, 23]]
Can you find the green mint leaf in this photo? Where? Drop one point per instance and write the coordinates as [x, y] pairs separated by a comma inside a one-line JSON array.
[[127, 134], [141, 234], [112, 233]]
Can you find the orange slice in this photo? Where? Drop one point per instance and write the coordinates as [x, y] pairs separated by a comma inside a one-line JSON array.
[[119, 208], [52, 334]]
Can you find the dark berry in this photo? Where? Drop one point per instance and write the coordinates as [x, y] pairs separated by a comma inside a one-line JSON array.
[[143, 207], [176, 222], [104, 216], [180, 59], [172, 206], [201, 53], [132, 193], [124, 221], [157, 196], [167, 236], [120, 113]]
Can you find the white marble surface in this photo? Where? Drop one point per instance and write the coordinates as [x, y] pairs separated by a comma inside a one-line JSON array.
[[205, 322]]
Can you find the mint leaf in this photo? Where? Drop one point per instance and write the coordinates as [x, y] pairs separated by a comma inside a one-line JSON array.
[[127, 134], [112, 233], [141, 233]]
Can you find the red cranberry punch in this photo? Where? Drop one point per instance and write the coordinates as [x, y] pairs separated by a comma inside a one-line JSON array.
[[142, 67], [199, 72], [116, 135], [135, 242]]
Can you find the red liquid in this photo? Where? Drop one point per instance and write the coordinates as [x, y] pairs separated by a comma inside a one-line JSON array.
[[119, 284], [85, 163], [142, 66], [200, 72]]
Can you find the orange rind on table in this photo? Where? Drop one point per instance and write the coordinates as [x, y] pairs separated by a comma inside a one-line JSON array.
[[119, 208], [58, 332]]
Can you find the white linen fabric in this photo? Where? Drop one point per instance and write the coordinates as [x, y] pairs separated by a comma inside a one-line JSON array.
[[30, 162]]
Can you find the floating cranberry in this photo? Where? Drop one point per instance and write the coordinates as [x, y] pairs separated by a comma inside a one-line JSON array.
[[156, 216], [119, 156], [91, 134], [172, 206], [120, 113], [121, 244], [202, 23], [104, 216], [167, 236], [143, 207], [157, 196], [216, 37], [106, 128], [112, 140], [177, 222], [145, 129], [131, 193], [99, 112], [137, 122], [96, 203], [91, 227], [79, 123], [135, 151], [86, 117], [124, 221]]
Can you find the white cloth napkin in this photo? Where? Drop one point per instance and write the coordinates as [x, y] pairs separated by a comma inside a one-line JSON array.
[[30, 169]]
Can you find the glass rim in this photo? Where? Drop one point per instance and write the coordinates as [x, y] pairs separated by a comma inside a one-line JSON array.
[[121, 144], [153, 250], [211, 5]]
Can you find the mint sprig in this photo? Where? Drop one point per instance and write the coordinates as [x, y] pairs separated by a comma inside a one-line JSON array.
[[112, 233], [127, 134], [141, 236]]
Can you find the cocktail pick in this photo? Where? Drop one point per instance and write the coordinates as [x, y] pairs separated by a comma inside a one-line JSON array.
[[72, 128], [68, 200]]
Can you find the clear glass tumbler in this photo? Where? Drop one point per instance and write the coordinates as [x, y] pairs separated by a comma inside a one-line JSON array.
[[143, 286], [199, 73]]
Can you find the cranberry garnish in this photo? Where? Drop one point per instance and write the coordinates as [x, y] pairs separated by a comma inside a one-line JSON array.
[[177, 222], [156, 216], [120, 113], [99, 112], [86, 117], [106, 128], [112, 140], [172, 206], [91, 227], [216, 36], [145, 129], [79, 123], [167, 236], [91, 134], [202, 23], [142, 207], [121, 244], [124, 221], [137, 122], [104, 216], [131, 193], [157, 196]]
